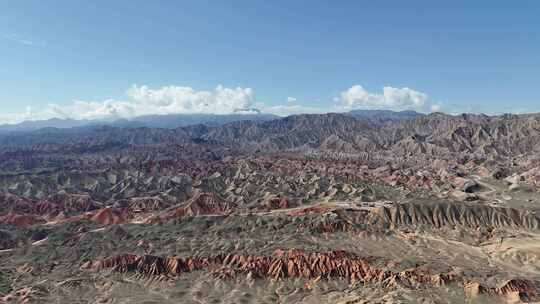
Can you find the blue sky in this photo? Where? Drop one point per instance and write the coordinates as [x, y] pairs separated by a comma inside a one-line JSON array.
[[67, 57]]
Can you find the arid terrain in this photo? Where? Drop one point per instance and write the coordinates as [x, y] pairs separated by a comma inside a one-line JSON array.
[[330, 208]]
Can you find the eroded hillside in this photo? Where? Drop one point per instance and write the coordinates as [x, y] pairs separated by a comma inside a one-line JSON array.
[[306, 209]]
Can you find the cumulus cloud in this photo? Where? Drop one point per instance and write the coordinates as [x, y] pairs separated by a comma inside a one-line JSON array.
[[174, 99], [31, 113], [356, 97], [142, 100]]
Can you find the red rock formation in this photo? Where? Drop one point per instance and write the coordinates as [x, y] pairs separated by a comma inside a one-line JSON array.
[[525, 290], [105, 216], [519, 289], [296, 263], [151, 265], [110, 216], [64, 202], [21, 220], [284, 264], [24, 295], [277, 202], [224, 273], [207, 203], [201, 204], [119, 263], [10, 202]]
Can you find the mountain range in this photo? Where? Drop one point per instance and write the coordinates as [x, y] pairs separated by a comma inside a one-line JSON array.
[[393, 207], [172, 121]]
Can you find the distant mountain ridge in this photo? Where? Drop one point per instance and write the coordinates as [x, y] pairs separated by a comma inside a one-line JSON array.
[[40, 124], [384, 116], [172, 121], [436, 134], [169, 121]]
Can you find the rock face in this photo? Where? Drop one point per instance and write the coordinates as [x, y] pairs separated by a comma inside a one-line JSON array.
[[514, 290], [200, 204], [65, 203], [109, 216], [451, 214], [207, 203], [308, 265], [151, 265], [276, 202], [141, 204]]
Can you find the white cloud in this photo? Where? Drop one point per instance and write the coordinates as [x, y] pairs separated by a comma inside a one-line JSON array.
[[143, 100], [174, 99], [356, 97], [291, 99], [435, 108], [31, 113]]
